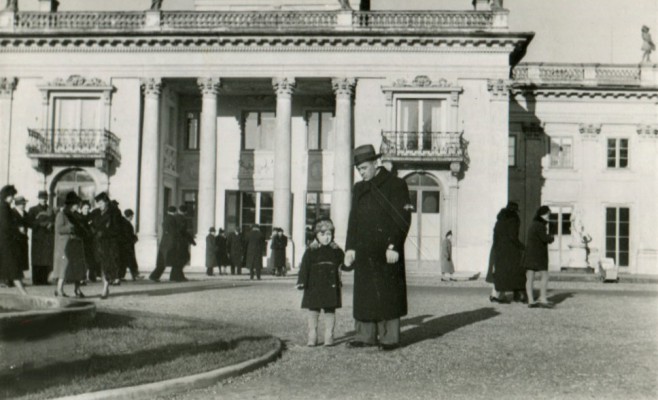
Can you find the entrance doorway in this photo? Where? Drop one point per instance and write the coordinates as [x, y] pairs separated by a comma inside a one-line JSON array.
[[73, 180], [559, 225], [423, 243]]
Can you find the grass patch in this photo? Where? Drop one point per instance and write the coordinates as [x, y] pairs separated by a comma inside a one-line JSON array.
[[122, 350]]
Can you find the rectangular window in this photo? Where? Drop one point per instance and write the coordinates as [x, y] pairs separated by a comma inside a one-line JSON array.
[[192, 131], [244, 209], [77, 113], [320, 130], [318, 205], [259, 128], [617, 153], [617, 235], [190, 200], [559, 222], [561, 152], [417, 120], [511, 148]]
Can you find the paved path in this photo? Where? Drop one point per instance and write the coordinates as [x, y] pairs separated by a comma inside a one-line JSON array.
[[601, 341]]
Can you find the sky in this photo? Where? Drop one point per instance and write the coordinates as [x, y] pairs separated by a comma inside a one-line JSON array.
[[570, 31]]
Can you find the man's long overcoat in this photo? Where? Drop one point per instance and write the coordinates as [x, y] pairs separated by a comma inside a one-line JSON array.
[[379, 217], [42, 221]]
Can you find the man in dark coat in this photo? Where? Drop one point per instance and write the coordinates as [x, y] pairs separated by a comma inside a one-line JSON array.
[[235, 251], [166, 249], [377, 229], [222, 252], [128, 240], [41, 219], [211, 252], [255, 244], [10, 264], [278, 245], [182, 246], [508, 273]]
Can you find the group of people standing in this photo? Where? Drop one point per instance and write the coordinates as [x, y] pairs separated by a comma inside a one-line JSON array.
[[174, 248], [69, 245], [513, 265]]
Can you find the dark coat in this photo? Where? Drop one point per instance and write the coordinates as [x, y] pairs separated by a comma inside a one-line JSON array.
[[507, 251], [222, 250], [10, 260], [320, 276], [167, 247], [255, 244], [106, 227], [211, 251], [379, 217], [127, 243], [42, 221], [536, 255], [278, 247], [184, 239], [69, 255], [23, 246], [235, 248]]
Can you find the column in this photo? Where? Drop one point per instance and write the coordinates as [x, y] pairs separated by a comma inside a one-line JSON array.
[[150, 155], [284, 88], [453, 199], [341, 195], [7, 86]]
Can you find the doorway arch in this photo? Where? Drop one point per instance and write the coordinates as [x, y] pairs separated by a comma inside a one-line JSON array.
[[423, 243], [77, 180]]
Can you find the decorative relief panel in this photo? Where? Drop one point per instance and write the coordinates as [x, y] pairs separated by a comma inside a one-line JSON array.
[[590, 131], [499, 88], [648, 130], [170, 161], [188, 169], [256, 166]]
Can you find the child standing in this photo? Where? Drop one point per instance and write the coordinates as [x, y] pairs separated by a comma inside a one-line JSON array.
[[319, 277]]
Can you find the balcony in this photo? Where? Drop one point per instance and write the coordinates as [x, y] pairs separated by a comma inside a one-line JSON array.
[[48, 146], [423, 147], [254, 21]]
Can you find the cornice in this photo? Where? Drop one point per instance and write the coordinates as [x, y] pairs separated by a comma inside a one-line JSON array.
[[589, 93], [247, 43]]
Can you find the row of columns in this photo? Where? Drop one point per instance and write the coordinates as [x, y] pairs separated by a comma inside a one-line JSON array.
[[284, 88]]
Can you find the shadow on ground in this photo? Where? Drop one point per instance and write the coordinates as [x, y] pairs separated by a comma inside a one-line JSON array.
[[182, 289]]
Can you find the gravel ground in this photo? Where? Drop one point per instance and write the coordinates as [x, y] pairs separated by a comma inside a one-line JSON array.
[[600, 341]]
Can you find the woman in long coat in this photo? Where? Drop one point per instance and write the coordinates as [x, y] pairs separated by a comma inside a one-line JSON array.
[[222, 252], [42, 221], [447, 266], [278, 246], [254, 252], [508, 270], [536, 257], [10, 267], [235, 251], [69, 255], [106, 225], [21, 219]]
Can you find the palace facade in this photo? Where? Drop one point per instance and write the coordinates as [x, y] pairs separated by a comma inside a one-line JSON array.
[[248, 112]]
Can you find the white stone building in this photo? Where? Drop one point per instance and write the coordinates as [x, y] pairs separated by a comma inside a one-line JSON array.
[[248, 111]]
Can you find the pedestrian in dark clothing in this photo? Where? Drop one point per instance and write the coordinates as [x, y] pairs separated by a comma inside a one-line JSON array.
[[21, 219], [319, 277], [255, 246], [167, 248], [536, 257], [508, 272], [106, 225], [222, 252], [378, 224], [235, 247], [278, 246], [128, 241], [447, 266], [11, 270], [211, 252], [69, 254], [185, 239], [91, 265], [42, 221]]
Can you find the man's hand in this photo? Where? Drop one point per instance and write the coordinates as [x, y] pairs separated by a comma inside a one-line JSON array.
[[392, 256], [350, 255]]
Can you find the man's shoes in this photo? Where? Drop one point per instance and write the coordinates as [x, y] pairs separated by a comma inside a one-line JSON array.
[[545, 304], [154, 280], [388, 347], [356, 344]]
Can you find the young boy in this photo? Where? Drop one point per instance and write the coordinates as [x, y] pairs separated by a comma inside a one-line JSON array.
[[319, 277]]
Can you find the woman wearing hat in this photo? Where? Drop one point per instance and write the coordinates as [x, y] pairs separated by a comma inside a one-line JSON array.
[[536, 257], [106, 225], [69, 258], [10, 266]]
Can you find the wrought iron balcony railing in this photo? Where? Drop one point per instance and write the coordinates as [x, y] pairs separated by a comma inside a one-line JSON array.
[[74, 144], [422, 146], [210, 21]]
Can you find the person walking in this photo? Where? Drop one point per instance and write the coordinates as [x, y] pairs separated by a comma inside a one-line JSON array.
[[222, 252], [278, 246], [106, 225], [255, 246], [10, 266], [508, 272], [211, 252], [536, 257], [235, 251], [167, 247], [69, 254], [42, 221], [319, 278], [21, 220], [378, 225], [91, 265], [182, 246], [447, 266], [127, 243]]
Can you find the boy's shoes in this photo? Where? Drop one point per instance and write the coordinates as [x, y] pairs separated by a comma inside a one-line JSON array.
[[533, 305], [355, 344], [545, 305], [388, 347]]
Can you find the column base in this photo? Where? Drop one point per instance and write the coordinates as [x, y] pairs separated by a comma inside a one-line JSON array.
[[198, 255]]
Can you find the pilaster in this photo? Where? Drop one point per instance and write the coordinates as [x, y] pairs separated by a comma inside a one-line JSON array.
[[7, 86]]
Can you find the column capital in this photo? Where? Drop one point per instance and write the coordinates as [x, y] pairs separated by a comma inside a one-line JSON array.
[[7, 86], [499, 89], [343, 86], [152, 86], [209, 86], [284, 86]]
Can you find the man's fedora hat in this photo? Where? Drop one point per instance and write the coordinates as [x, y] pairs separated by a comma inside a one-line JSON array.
[[102, 197], [365, 153], [43, 194], [18, 200], [71, 198]]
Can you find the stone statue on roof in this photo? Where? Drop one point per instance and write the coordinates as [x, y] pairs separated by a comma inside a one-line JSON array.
[[647, 44], [345, 5], [156, 5]]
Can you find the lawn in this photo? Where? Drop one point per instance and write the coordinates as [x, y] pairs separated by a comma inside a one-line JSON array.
[[121, 350]]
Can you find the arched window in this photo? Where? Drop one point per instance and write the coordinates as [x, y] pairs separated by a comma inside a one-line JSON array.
[[76, 180]]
